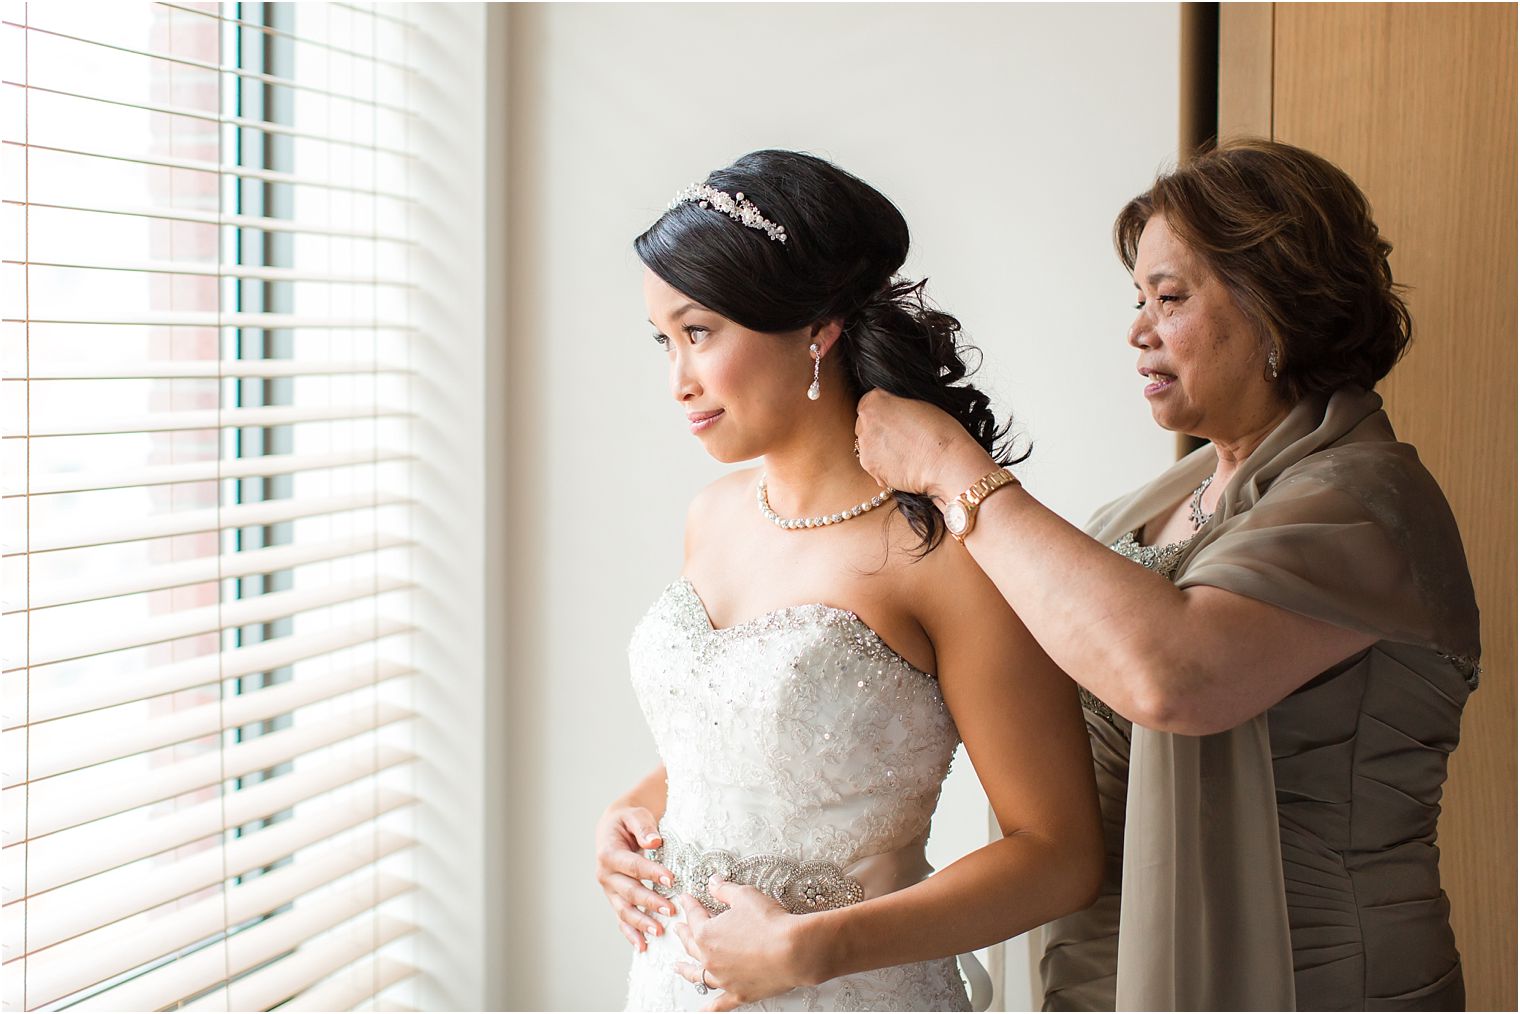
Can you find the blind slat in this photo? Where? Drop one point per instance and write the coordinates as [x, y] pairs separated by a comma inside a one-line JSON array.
[[207, 519], [254, 26], [247, 75], [53, 812], [254, 223], [274, 983], [196, 471], [69, 645], [217, 270], [219, 169], [207, 419], [48, 702], [101, 954], [73, 752], [47, 870], [191, 974], [172, 369], [207, 568], [50, 923], [205, 318], [211, 116], [351, 987], [373, 12]]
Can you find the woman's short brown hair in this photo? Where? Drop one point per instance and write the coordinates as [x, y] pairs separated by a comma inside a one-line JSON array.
[[1293, 240]]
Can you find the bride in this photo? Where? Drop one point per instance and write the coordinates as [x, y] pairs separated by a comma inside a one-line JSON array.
[[809, 675]]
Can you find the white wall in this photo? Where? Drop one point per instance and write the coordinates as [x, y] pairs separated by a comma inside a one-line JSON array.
[[453, 410], [1008, 135]]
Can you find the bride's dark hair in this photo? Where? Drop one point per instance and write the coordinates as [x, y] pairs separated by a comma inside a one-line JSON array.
[[844, 245]]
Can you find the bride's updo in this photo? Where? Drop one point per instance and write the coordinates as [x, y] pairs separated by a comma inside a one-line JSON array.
[[844, 244]]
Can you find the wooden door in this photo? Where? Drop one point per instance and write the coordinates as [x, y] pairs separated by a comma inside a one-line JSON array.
[[1417, 103]]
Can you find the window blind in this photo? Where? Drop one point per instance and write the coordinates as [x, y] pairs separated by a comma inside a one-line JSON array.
[[209, 530]]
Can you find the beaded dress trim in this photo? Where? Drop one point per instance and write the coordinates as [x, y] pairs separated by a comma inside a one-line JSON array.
[[799, 888], [1161, 559], [1467, 667], [864, 640]]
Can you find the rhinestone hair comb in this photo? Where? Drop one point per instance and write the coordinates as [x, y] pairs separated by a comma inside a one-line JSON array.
[[735, 207]]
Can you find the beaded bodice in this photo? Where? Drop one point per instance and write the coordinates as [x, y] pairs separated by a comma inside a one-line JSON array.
[[1162, 559], [798, 733]]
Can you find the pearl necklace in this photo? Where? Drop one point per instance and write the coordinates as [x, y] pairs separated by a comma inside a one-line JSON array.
[[820, 521]]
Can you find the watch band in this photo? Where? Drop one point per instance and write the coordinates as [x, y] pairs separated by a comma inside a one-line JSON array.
[[972, 498], [978, 490]]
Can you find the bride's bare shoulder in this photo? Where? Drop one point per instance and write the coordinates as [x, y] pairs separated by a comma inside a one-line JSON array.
[[948, 581], [720, 495], [713, 508]]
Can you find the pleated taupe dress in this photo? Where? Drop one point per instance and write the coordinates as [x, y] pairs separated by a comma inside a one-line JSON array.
[[1291, 862]]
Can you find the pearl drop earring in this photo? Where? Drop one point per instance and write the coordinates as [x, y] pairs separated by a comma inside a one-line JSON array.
[[813, 389]]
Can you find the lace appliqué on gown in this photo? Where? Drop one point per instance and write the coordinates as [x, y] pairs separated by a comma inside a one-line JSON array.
[[798, 734]]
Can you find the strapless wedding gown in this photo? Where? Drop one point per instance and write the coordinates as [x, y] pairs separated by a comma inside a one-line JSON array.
[[803, 756]]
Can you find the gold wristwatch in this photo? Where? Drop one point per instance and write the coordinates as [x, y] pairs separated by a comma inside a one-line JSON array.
[[960, 513]]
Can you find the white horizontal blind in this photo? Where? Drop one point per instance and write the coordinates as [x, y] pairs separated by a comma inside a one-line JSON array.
[[208, 528]]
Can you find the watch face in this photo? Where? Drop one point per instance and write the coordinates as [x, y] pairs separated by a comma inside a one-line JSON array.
[[956, 517]]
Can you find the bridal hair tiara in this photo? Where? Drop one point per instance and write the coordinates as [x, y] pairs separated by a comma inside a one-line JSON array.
[[735, 207]]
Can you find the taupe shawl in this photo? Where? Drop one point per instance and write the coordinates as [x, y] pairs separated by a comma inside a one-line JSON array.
[[1332, 518]]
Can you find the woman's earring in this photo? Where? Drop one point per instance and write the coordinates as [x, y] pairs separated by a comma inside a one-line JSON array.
[[813, 389], [1272, 362]]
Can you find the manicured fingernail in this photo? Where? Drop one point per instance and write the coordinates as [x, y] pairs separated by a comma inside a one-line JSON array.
[[669, 910], [665, 880]]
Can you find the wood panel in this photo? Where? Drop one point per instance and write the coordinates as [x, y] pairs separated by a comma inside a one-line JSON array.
[[1245, 70], [1417, 103]]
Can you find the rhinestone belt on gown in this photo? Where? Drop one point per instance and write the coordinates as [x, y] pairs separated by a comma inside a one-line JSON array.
[[801, 888]]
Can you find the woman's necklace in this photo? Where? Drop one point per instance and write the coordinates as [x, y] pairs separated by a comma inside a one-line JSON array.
[[1195, 509], [820, 521]]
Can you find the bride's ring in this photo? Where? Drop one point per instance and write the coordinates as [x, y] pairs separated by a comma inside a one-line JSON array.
[[701, 983]]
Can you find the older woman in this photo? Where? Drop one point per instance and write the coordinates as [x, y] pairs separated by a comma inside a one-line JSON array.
[[1294, 650], [1272, 693]]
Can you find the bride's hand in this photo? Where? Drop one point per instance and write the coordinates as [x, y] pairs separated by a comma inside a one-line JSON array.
[[915, 447], [621, 835], [750, 952]]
